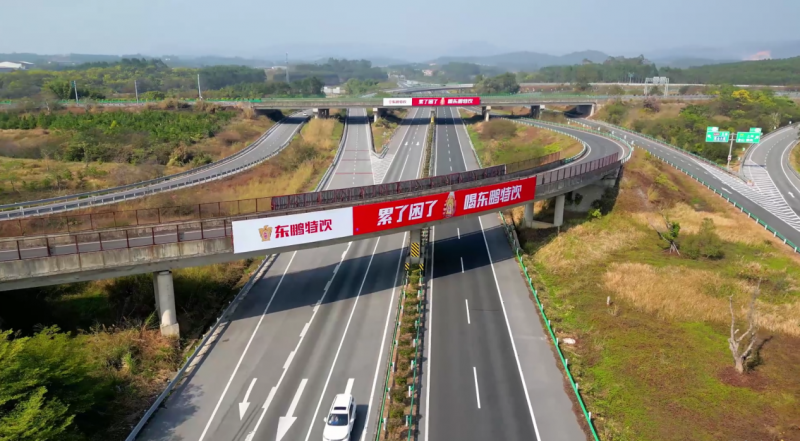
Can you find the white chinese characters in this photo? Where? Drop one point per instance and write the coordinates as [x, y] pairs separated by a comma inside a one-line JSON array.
[[488, 198], [415, 212]]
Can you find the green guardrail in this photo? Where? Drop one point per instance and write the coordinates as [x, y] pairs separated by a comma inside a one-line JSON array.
[[390, 361], [766, 226], [564, 361]]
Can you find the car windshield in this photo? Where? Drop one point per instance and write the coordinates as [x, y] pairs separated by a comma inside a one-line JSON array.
[[337, 419]]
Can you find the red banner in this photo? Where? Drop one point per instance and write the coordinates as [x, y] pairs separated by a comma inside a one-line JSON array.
[[397, 214], [444, 101]]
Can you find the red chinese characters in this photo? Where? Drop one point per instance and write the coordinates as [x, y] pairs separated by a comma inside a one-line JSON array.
[[456, 101], [302, 228], [390, 215]]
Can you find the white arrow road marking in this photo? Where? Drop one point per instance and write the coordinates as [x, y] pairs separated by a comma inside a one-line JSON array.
[[349, 388], [285, 423], [417, 142], [790, 194], [725, 189], [245, 404]]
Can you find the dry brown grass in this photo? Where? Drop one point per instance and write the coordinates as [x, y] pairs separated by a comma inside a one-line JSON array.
[[680, 293]]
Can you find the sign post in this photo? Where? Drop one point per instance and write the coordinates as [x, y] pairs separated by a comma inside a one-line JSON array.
[[752, 137]]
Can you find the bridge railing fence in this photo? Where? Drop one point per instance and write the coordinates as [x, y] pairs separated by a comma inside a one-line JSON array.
[[193, 227]]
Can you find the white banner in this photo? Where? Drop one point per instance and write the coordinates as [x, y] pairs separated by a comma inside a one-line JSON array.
[[387, 102], [294, 229]]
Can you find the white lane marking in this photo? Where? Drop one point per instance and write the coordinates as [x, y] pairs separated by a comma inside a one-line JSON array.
[[451, 168], [725, 189], [477, 391], [458, 231], [510, 335], [236, 369], [383, 339], [349, 388], [305, 329], [430, 337], [462, 264], [285, 423], [790, 193], [245, 403], [466, 302], [341, 342], [289, 360], [285, 370]]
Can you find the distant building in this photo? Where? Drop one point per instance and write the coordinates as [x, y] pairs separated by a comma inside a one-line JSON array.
[[10, 66], [332, 90], [428, 72]]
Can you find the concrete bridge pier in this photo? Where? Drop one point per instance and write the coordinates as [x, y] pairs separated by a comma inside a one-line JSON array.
[[529, 215], [321, 113], [378, 113], [558, 216], [586, 109], [536, 111], [486, 112], [165, 303]]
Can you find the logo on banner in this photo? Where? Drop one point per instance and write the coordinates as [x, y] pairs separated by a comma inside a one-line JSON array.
[[450, 205], [265, 233]]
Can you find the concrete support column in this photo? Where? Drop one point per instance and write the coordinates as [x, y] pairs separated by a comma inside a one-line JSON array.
[[376, 114], [316, 113], [558, 216], [529, 215], [415, 250], [486, 112], [536, 111], [165, 302]]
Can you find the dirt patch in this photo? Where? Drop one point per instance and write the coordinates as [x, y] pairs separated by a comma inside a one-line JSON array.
[[752, 380]]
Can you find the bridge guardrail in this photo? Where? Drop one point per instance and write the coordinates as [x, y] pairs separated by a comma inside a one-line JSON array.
[[10, 211], [92, 241]]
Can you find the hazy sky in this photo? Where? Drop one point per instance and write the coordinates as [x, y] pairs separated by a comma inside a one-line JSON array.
[[403, 29]]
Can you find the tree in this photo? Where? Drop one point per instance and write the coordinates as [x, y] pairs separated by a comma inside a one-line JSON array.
[[60, 88], [669, 233], [652, 104], [741, 357], [505, 83]]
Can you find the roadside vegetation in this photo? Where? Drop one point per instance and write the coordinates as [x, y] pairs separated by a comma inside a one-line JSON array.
[[685, 125], [83, 361], [651, 322], [385, 128], [45, 154], [500, 141]]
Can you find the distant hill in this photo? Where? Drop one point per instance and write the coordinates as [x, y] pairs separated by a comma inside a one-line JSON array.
[[683, 63], [767, 72], [526, 60]]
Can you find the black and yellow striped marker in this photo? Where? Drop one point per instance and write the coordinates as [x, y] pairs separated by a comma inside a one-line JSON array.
[[414, 249]]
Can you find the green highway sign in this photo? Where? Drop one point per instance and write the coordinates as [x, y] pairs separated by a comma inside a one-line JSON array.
[[750, 137], [718, 136], [712, 129], [755, 129]]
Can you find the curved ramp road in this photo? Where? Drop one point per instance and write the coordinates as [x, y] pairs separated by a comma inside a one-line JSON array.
[[767, 166], [489, 371], [266, 147], [761, 201], [314, 325]]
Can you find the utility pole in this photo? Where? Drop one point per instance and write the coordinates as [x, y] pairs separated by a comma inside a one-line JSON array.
[[75, 85], [199, 92], [730, 151], [136, 89], [287, 67]]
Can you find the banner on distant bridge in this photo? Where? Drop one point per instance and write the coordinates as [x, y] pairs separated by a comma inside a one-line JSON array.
[[317, 226], [447, 101], [397, 102], [396, 214], [294, 229]]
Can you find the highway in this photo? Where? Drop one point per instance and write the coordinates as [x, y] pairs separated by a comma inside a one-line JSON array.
[[314, 325], [266, 147], [761, 200], [767, 166], [490, 372]]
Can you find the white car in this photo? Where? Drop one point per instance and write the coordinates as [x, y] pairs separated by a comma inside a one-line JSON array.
[[339, 422]]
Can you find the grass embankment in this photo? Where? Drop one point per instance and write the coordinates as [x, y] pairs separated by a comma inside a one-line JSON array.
[[384, 129], [45, 155], [655, 364], [500, 141], [111, 360], [794, 158]]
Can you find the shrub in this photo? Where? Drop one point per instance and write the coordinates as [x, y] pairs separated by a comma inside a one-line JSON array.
[[498, 129], [706, 243]]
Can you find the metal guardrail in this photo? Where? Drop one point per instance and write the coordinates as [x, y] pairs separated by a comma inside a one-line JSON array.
[[12, 210]]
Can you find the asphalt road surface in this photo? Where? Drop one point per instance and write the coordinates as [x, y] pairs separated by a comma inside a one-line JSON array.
[[314, 325], [490, 372], [760, 201], [767, 166], [269, 145]]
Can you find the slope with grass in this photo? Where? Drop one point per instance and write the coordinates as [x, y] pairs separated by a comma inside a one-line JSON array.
[[44, 155], [651, 327], [383, 130], [500, 141]]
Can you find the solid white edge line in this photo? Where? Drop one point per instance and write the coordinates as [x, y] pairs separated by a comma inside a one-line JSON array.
[[239, 363], [462, 265], [785, 154], [341, 342], [383, 339], [477, 391], [466, 302], [510, 335], [430, 338]]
